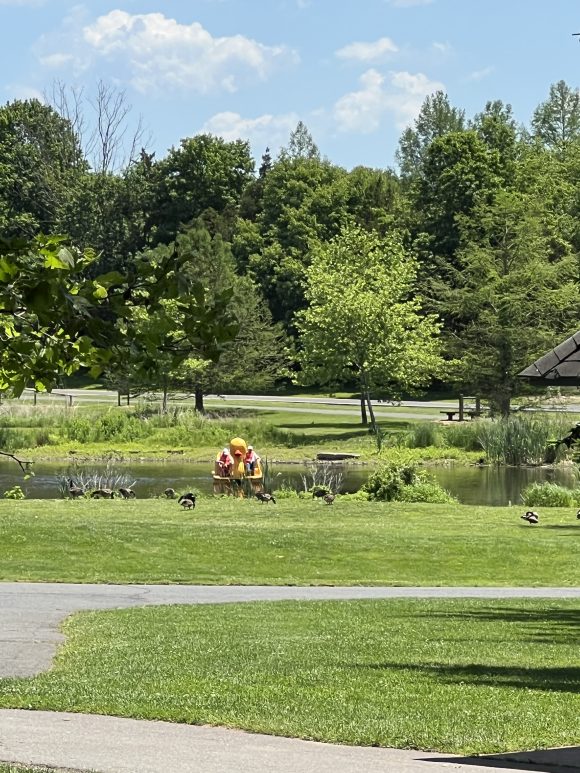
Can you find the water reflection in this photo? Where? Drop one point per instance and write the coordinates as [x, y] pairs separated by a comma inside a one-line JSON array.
[[471, 485]]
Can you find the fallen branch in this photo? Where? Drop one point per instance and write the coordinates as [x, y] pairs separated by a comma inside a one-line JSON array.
[[24, 466]]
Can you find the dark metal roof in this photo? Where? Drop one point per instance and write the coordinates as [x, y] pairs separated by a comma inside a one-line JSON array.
[[559, 366]]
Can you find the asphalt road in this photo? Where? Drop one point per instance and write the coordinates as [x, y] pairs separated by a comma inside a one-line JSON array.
[[31, 614]]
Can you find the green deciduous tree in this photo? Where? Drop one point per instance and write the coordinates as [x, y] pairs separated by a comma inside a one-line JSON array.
[[203, 173], [40, 162], [436, 118], [556, 122], [518, 295], [363, 320]]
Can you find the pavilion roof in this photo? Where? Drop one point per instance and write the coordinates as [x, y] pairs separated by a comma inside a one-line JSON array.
[[559, 366]]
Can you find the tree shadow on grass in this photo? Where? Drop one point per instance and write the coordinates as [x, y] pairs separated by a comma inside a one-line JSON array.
[[558, 760], [549, 624], [486, 675]]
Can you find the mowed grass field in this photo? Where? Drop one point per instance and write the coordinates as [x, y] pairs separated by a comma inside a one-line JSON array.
[[295, 542], [464, 676]]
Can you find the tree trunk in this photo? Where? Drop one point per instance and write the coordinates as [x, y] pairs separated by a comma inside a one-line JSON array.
[[367, 397], [164, 400], [371, 414], [363, 409], [199, 407]]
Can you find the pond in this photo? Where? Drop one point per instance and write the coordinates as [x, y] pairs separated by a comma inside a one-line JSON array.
[[472, 485]]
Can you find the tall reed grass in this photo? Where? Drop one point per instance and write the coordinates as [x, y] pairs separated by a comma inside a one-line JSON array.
[[522, 439]]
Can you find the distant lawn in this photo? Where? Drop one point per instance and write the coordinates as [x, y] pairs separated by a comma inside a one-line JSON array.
[[456, 676], [295, 542]]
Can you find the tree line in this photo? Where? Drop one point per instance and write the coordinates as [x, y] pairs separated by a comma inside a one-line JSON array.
[[206, 271]]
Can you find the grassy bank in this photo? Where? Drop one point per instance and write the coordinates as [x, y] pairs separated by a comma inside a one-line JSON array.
[[296, 542], [460, 676], [281, 434]]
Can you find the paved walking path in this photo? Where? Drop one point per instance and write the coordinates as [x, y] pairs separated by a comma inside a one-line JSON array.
[[114, 745], [32, 612]]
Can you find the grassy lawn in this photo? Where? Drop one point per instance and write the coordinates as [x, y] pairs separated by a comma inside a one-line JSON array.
[[295, 542], [454, 676]]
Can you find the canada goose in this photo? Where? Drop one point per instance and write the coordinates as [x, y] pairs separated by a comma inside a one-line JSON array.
[[103, 493], [73, 490], [127, 493], [578, 515], [319, 493], [187, 501], [329, 498], [170, 493], [262, 496], [531, 517]]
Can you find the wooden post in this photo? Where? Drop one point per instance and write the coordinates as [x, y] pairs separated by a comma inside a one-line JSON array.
[[478, 405], [34, 398], [128, 398], [70, 401], [118, 398], [460, 407]]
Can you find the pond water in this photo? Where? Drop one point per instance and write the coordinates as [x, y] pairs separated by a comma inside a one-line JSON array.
[[472, 485]]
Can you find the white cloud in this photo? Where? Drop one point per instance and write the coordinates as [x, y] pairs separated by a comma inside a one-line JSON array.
[[478, 75], [368, 52], [271, 130], [442, 48], [401, 96], [159, 53], [23, 91], [56, 60]]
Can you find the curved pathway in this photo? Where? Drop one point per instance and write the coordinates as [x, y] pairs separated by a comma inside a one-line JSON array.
[[32, 612]]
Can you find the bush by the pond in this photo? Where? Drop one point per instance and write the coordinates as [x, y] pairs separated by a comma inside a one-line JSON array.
[[404, 483], [522, 439], [550, 495], [426, 491]]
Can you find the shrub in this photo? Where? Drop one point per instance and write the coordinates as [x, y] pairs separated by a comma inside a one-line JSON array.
[[385, 484], [550, 495], [424, 435], [404, 483], [14, 493], [426, 491]]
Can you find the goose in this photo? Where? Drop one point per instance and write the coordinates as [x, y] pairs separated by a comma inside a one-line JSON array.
[[170, 493], [187, 501], [531, 517], [103, 493], [127, 493], [319, 493], [73, 490], [329, 498], [578, 515], [262, 496]]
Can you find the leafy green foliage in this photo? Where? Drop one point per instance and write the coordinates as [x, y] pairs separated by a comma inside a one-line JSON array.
[[363, 320], [404, 483], [550, 495], [14, 493]]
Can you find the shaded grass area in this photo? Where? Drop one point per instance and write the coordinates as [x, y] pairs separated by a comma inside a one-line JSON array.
[[455, 676], [295, 542]]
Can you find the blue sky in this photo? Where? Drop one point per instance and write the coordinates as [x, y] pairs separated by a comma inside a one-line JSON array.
[[356, 72]]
